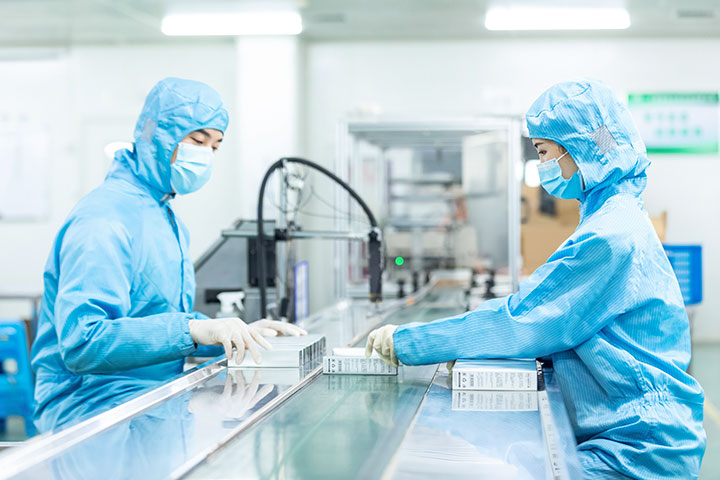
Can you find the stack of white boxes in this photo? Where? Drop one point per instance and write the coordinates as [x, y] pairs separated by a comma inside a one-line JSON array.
[[287, 352], [495, 385]]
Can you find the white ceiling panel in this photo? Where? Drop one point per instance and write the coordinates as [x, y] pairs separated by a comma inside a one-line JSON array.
[[53, 23]]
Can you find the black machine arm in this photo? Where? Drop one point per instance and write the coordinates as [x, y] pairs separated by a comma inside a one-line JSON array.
[[374, 240]]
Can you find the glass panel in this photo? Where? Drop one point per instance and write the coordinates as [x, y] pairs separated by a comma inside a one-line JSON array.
[[336, 426], [444, 191], [165, 439], [491, 435], [340, 426]]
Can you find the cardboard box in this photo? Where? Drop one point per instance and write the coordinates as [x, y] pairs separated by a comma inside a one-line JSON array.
[[567, 211], [531, 200], [539, 238], [542, 234], [660, 224]]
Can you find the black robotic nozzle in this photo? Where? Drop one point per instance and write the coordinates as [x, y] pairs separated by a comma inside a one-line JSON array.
[[375, 263]]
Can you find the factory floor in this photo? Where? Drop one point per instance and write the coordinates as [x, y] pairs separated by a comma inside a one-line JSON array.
[[706, 358], [704, 367]]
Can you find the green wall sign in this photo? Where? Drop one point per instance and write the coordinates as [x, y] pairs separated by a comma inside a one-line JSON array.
[[677, 122]]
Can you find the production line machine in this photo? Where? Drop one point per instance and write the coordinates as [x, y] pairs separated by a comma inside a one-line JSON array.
[[215, 422]]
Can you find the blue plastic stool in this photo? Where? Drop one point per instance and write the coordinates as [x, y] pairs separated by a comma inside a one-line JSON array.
[[16, 378]]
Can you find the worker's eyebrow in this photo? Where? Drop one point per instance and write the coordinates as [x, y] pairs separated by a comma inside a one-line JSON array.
[[207, 134], [535, 144]]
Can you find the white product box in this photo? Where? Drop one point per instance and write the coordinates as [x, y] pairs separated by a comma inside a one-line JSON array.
[[352, 361], [505, 374], [286, 352]]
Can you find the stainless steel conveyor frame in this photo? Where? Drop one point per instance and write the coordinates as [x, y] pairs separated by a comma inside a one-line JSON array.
[[318, 405]]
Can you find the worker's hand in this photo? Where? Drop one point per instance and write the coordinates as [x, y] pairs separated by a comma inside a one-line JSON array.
[[273, 328], [229, 332], [381, 340]]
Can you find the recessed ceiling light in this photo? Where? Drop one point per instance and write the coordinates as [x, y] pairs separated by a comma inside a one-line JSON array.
[[232, 23], [538, 18]]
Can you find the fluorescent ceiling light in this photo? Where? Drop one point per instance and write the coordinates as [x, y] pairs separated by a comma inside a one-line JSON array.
[[536, 18], [232, 23]]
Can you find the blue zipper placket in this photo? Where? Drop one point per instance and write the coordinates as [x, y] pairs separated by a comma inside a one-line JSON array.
[[173, 223]]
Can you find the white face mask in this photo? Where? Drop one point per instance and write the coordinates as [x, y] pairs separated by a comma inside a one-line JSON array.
[[192, 168]]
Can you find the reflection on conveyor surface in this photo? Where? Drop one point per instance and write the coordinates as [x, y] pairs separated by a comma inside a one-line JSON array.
[[268, 423], [338, 426], [163, 439]]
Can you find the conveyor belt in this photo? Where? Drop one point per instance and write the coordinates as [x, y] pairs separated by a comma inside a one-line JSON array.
[[338, 426], [165, 430], [276, 423]]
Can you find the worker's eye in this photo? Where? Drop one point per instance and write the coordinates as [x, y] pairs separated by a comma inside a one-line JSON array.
[[199, 142]]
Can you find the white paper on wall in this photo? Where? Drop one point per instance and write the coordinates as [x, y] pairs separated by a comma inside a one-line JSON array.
[[24, 150]]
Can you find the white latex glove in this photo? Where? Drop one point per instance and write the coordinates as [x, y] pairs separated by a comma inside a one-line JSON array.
[[381, 340], [273, 328], [229, 332]]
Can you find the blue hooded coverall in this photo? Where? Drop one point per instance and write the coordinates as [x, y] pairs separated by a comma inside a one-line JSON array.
[[606, 306], [119, 284]]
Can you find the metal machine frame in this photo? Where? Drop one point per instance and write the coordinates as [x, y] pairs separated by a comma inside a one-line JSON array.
[[346, 161]]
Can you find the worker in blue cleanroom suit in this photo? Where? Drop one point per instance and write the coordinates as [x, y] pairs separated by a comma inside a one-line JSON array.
[[606, 306], [119, 283]]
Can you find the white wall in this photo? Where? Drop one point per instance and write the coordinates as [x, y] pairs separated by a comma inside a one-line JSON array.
[[450, 79], [27, 91], [91, 95], [268, 107], [87, 97]]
